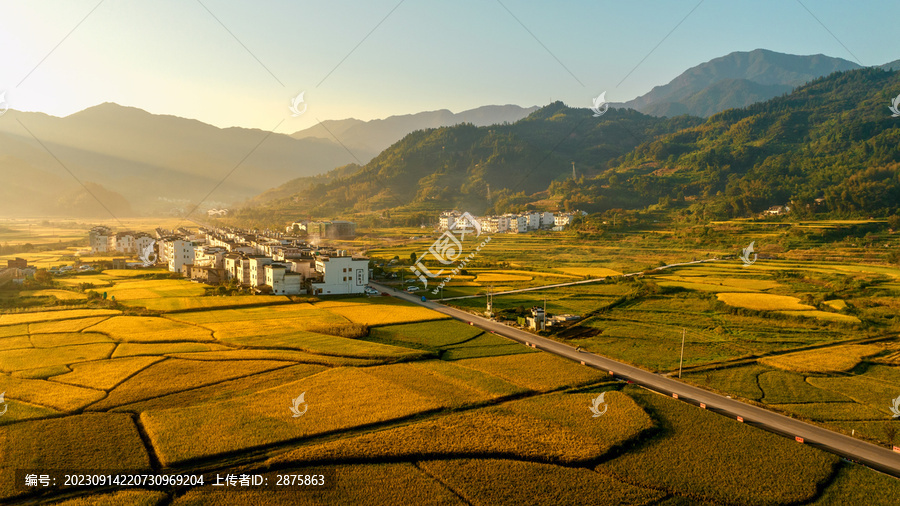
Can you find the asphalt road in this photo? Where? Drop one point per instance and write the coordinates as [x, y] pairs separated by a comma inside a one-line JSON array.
[[876, 457]]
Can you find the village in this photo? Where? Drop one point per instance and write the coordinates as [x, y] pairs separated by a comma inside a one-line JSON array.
[[268, 263]]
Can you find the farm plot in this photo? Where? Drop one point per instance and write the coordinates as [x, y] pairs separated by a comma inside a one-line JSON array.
[[173, 375], [49, 394], [171, 304], [31, 358], [380, 311], [787, 387], [495, 431], [337, 399], [495, 481], [823, 360], [45, 316], [154, 288], [763, 301], [59, 294], [105, 374], [149, 329], [89, 441], [731, 462], [536, 371], [426, 335]]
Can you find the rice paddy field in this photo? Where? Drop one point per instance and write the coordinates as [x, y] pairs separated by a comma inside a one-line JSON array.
[[422, 409]]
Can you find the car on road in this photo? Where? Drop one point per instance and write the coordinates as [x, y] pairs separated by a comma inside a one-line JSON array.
[[385, 294], [412, 289]]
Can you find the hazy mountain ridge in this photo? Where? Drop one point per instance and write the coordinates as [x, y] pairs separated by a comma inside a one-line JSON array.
[[368, 138], [761, 75]]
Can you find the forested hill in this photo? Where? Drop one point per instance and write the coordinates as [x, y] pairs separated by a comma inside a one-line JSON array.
[[833, 138], [453, 166]]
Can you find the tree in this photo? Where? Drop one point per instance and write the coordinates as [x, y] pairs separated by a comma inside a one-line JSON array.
[[412, 257], [43, 277]]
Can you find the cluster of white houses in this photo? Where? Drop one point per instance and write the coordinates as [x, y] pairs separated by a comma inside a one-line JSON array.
[[266, 263], [512, 223]]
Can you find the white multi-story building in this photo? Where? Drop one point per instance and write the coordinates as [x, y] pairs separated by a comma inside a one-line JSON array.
[[179, 252], [547, 220], [341, 275], [210, 256], [123, 242], [257, 270], [282, 280], [534, 220], [518, 225], [448, 218], [99, 239]]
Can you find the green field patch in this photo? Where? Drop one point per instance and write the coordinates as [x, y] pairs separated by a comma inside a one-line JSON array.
[[154, 288], [487, 350], [73, 325], [226, 390], [536, 371], [59, 294], [357, 484], [856, 484], [502, 277], [105, 374], [12, 343], [865, 391], [698, 286], [149, 329], [741, 283], [730, 462], [788, 387], [67, 339], [428, 335], [828, 411], [174, 375], [17, 360], [89, 441], [823, 360], [337, 399], [493, 481], [823, 315], [740, 381], [208, 302], [42, 316], [134, 349], [48, 393]]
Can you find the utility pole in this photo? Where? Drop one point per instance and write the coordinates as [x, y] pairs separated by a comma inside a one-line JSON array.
[[682, 352], [544, 316], [573, 171]]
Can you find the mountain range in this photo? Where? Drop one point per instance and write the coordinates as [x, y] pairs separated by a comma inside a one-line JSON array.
[[735, 80], [833, 139], [136, 162]]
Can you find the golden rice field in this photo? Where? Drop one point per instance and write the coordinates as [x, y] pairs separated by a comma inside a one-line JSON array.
[[831, 359], [59, 294], [763, 301], [421, 410], [594, 272], [491, 277]]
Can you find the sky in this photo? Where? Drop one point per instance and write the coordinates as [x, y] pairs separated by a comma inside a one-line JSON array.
[[239, 63]]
